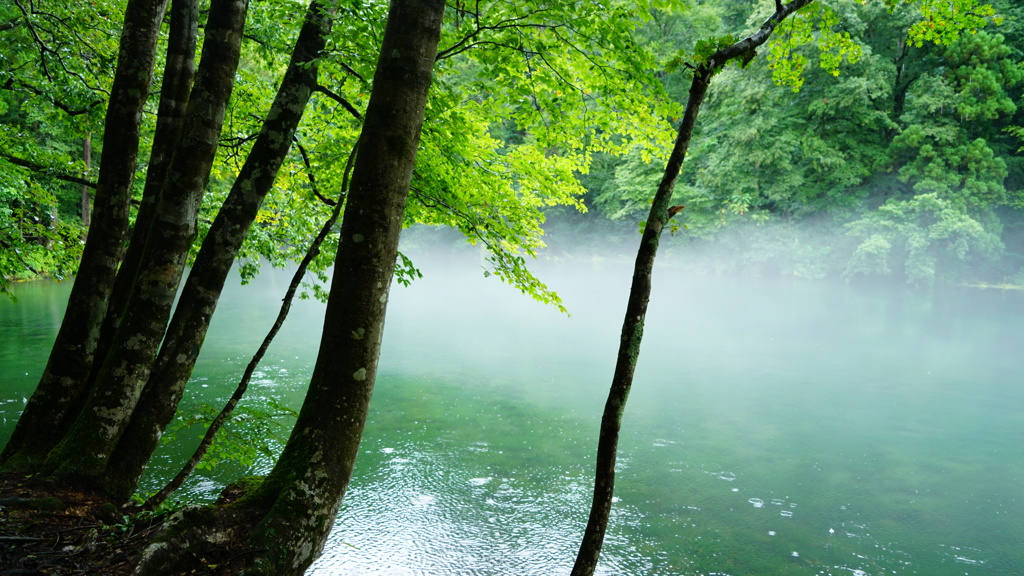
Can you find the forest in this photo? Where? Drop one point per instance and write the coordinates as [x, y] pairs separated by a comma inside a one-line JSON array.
[[149, 147], [906, 165]]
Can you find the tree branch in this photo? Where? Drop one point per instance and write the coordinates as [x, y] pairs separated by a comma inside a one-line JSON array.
[[9, 85], [465, 43], [17, 254], [340, 100], [46, 170], [309, 173], [746, 45]]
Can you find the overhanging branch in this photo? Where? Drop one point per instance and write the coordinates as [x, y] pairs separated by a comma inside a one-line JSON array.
[[310, 174], [46, 170]]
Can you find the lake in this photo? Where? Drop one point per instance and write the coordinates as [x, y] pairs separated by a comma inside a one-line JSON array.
[[776, 427]]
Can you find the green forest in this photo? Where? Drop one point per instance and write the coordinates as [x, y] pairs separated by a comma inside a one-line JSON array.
[[148, 146], [902, 163]]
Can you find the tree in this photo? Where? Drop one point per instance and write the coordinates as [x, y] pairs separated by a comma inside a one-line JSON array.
[[52, 85], [710, 57], [291, 512], [913, 235], [57, 399]]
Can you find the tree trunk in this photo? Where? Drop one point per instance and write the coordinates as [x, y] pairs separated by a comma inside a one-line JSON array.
[[58, 397], [631, 336], [86, 201], [199, 297], [640, 292], [176, 83], [301, 496], [286, 304], [312, 474], [82, 456], [906, 75]]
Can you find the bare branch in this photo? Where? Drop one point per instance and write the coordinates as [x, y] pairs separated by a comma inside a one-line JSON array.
[[352, 71], [43, 48], [472, 45]]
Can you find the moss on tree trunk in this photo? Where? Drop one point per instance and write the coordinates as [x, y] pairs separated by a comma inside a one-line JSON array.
[[297, 504]]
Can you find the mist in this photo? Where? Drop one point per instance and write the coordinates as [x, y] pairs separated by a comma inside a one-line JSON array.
[[777, 425]]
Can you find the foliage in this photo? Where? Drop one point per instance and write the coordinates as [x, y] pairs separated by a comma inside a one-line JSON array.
[[904, 118], [815, 24], [944, 21], [524, 97], [916, 238], [253, 429], [946, 147], [529, 98], [53, 81]]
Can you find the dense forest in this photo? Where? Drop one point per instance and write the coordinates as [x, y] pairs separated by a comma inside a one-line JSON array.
[[904, 165], [148, 144]]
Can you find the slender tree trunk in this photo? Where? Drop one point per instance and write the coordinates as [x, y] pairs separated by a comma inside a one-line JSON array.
[[295, 507], [631, 336], [198, 300], [82, 456], [179, 70], [640, 292], [286, 305], [58, 397], [86, 199], [312, 474]]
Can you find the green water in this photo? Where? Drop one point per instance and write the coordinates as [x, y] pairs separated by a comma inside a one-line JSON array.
[[775, 428]]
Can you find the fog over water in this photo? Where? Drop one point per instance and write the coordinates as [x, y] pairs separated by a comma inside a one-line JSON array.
[[776, 427]]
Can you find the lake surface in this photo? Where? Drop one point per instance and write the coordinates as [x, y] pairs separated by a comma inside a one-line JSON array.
[[775, 427]]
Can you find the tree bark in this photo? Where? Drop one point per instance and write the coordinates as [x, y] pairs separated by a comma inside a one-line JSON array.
[[640, 292], [312, 474], [202, 289], [211, 432], [58, 397], [301, 495], [82, 456], [86, 200], [179, 71]]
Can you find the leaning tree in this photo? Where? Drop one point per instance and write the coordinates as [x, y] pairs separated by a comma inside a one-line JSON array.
[[122, 358], [940, 22]]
